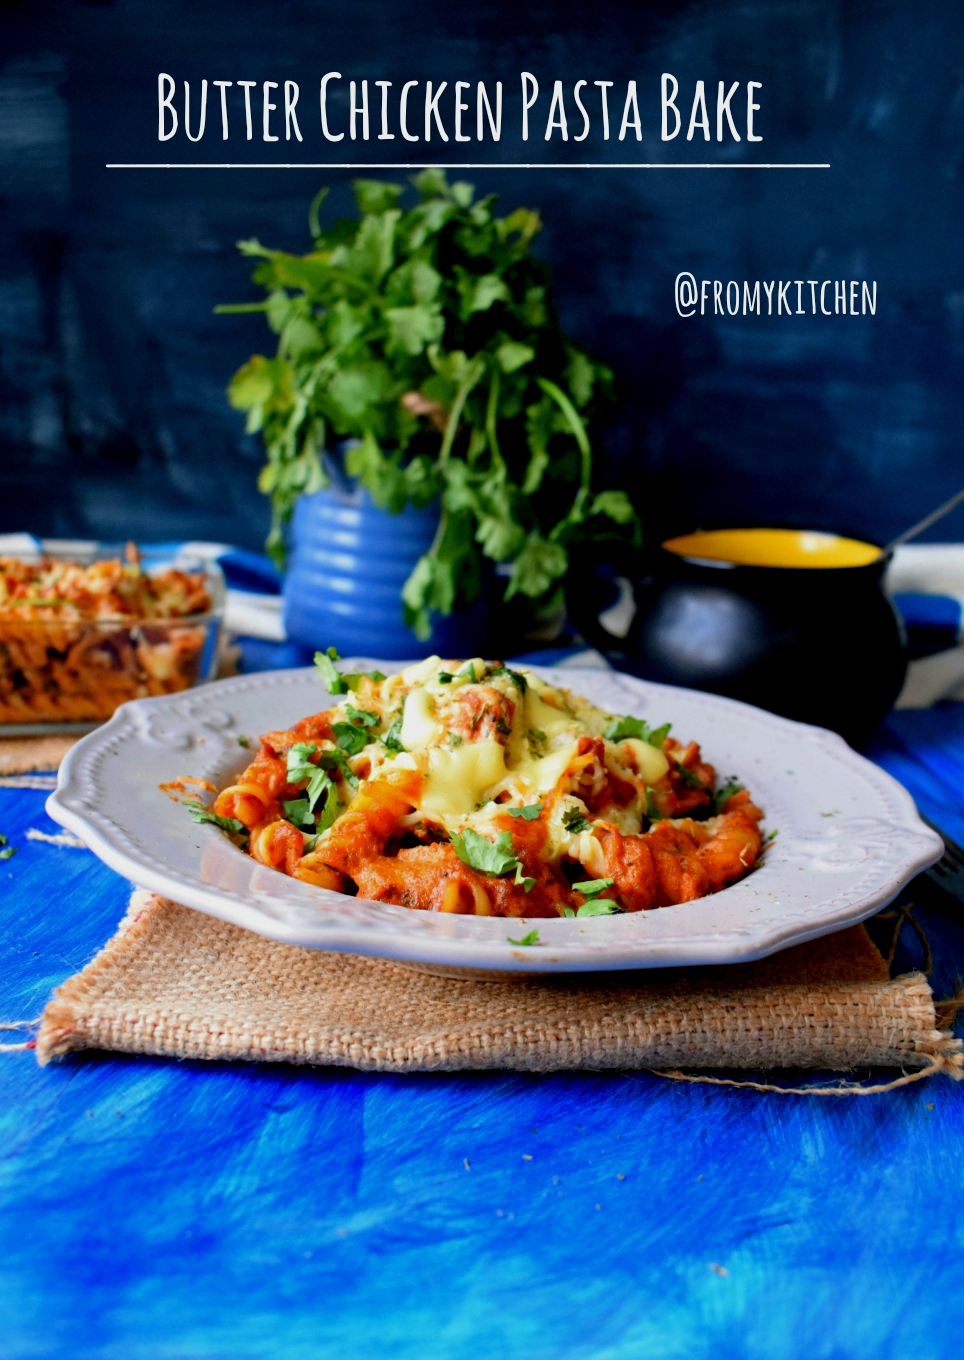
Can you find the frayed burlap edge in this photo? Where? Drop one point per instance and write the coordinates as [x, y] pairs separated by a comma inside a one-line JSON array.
[[173, 982]]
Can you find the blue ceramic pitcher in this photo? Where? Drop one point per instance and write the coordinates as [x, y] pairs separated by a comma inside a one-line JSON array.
[[347, 565]]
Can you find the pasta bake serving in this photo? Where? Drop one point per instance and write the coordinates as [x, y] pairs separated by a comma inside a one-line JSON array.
[[481, 789], [78, 639]]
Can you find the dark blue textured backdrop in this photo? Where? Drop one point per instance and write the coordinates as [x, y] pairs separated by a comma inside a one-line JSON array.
[[113, 367]]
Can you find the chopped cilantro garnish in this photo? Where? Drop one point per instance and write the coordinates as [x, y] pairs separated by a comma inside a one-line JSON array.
[[502, 727], [350, 738], [517, 678], [575, 822], [298, 812], [331, 811], [489, 857], [455, 740], [652, 811], [618, 729], [536, 734], [336, 760], [8, 852], [244, 741], [3, 839], [339, 682], [229, 824], [362, 717], [602, 906], [466, 673], [593, 887], [393, 737], [690, 779], [300, 768], [528, 814], [773, 835], [530, 939], [496, 857], [721, 796]]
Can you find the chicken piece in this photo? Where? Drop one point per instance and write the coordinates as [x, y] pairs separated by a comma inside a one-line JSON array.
[[628, 861], [479, 713], [688, 783], [314, 729], [696, 858], [590, 779], [433, 878]]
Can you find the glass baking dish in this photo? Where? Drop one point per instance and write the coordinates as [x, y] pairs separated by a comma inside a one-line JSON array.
[[68, 675]]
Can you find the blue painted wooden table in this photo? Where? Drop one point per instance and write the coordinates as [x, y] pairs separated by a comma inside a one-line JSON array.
[[190, 1211]]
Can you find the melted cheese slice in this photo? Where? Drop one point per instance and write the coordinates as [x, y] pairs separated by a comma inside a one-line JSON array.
[[420, 727], [458, 780], [650, 762]]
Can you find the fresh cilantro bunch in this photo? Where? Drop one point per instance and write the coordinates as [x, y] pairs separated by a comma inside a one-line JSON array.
[[428, 335]]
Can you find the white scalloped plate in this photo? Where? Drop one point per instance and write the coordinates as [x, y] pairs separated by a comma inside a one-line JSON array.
[[849, 836]]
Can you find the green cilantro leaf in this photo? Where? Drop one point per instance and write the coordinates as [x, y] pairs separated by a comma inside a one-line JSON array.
[[773, 835], [8, 852], [527, 884], [593, 887], [602, 906], [362, 717], [336, 760], [350, 738], [393, 737], [536, 734], [496, 857], [3, 839], [229, 824], [530, 939], [339, 682], [331, 811], [298, 812], [575, 822], [618, 729], [690, 778], [244, 741], [517, 678], [300, 768], [652, 811], [528, 814], [454, 739], [466, 673], [721, 796]]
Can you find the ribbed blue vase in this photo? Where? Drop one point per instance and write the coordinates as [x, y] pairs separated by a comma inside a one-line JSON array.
[[348, 561]]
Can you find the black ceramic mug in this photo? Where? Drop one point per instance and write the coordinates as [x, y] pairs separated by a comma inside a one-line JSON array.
[[794, 621]]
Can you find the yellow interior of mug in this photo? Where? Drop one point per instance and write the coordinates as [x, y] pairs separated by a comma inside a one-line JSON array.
[[774, 548]]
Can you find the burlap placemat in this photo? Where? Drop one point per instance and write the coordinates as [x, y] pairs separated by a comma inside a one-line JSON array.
[[177, 983], [33, 755]]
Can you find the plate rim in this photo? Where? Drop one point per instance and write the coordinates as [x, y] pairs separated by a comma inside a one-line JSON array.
[[499, 954]]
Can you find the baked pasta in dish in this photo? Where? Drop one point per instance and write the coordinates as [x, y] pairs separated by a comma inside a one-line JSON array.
[[77, 640], [480, 789]]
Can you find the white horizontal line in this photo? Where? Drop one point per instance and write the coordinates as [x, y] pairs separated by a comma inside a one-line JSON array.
[[468, 165]]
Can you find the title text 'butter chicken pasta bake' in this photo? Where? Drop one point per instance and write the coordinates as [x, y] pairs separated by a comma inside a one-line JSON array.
[[480, 789]]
